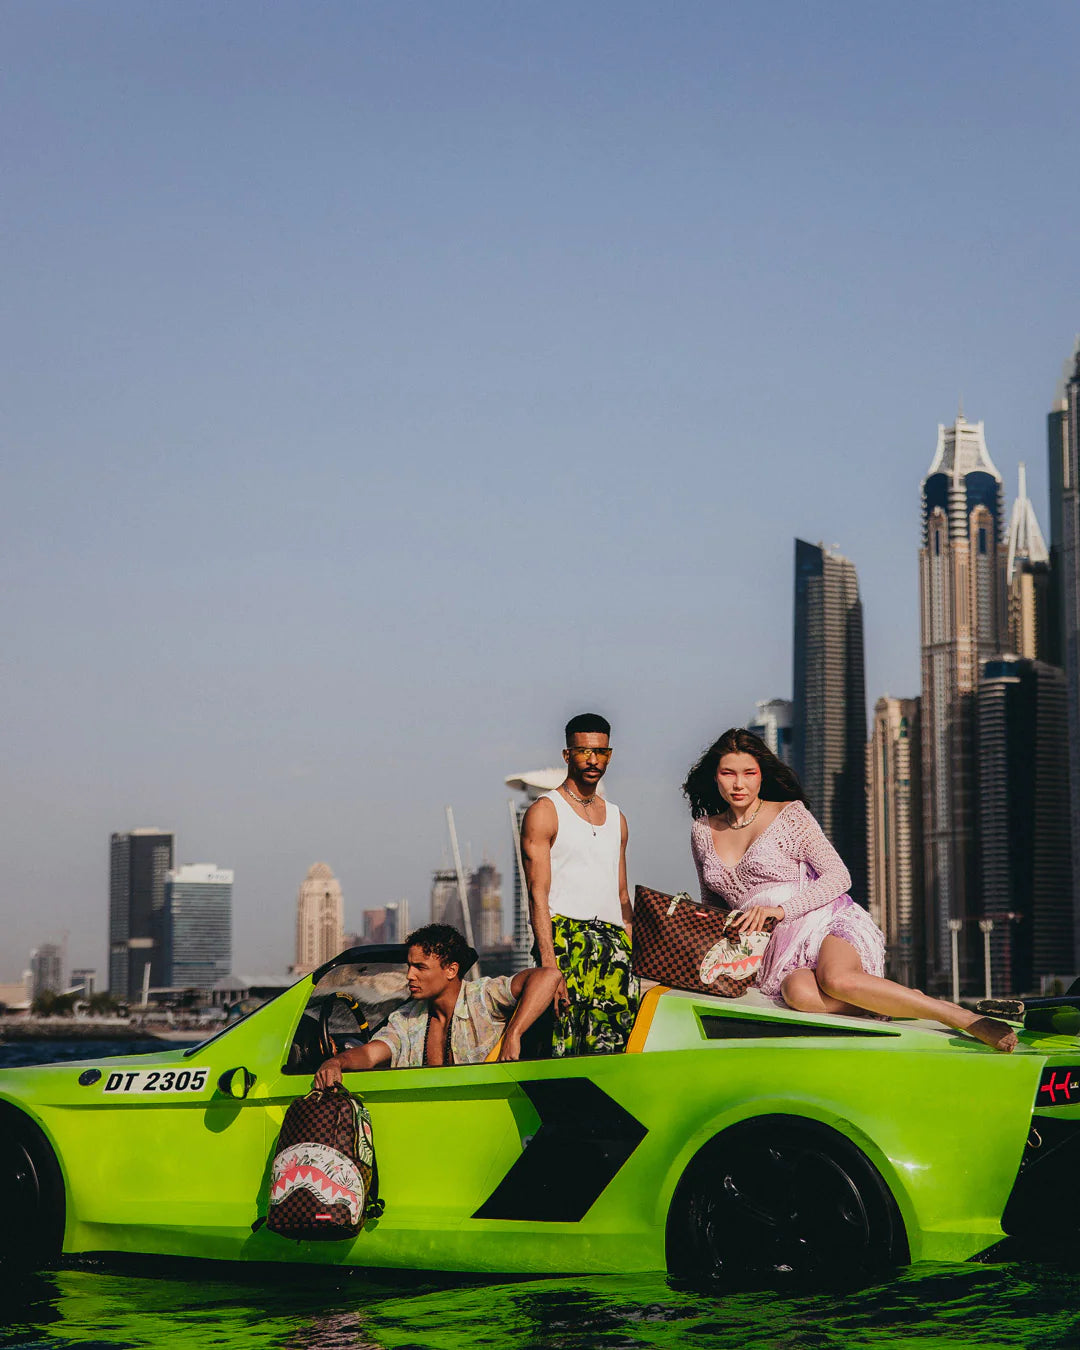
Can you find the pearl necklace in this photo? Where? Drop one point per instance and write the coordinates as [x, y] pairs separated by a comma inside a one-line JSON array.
[[734, 824]]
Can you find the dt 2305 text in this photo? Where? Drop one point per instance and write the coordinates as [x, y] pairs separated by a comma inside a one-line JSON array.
[[156, 1080]]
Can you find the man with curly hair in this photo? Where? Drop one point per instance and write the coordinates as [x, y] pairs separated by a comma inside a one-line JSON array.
[[448, 1020]]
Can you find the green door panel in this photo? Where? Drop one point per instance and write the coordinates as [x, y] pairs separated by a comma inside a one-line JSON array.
[[443, 1136]]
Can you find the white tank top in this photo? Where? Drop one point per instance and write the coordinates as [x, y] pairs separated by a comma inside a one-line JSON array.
[[585, 865]]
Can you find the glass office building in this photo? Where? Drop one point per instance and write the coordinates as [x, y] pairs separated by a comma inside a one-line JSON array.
[[198, 926]]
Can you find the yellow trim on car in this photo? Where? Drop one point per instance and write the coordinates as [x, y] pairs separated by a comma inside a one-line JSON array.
[[643, 1021], [638, 1034]]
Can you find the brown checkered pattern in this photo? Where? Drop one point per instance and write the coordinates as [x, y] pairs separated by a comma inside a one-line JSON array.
[[670, 947], [323, 1117], [306, 1216], [330, 1116]]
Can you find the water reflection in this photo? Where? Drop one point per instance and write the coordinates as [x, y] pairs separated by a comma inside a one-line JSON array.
[[1004, 1307]]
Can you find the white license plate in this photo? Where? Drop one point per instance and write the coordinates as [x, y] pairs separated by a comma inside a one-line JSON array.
[[155, 1081]]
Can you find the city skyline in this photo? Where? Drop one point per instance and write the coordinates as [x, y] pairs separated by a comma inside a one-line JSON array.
[[826, 593], [324, 340], [1021, 543], [985, 589]]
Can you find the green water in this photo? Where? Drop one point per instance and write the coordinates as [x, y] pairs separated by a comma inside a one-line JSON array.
[[996, 1307]]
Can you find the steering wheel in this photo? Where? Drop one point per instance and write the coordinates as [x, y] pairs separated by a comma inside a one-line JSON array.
[[327, 1043]]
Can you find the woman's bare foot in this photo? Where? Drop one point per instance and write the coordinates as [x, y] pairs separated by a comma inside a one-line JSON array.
[[997, 1035]]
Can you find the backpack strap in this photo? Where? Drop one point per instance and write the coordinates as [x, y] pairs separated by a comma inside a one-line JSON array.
[[374, 1207]]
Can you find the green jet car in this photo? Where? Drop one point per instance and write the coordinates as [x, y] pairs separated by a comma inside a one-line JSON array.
[[731, 1135]]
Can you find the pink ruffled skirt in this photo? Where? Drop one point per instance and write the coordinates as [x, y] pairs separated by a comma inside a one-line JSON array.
[[796, 942]]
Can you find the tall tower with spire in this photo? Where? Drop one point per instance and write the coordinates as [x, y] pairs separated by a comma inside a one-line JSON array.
[[963, 620], [1027, 577]]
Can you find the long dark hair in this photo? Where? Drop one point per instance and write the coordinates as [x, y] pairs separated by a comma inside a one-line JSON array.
[[778, 782]]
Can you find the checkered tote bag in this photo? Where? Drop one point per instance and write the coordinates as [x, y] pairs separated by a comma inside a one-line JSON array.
[[685, 945]]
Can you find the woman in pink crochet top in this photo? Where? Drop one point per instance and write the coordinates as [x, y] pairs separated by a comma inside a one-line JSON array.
[[759, 851]]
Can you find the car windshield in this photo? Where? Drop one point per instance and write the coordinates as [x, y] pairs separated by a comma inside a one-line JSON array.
[[229, 1026], [347, 1005]]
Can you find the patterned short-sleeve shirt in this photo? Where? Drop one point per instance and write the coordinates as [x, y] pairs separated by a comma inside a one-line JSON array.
[[481, 1013]]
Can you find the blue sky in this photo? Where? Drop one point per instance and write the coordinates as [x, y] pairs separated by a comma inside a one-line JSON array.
[[384, 383]]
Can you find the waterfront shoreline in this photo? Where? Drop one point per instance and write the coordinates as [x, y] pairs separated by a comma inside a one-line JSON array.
[[73, 1029]]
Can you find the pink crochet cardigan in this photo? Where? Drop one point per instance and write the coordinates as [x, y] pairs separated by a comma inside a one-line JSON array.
[[792, 838]]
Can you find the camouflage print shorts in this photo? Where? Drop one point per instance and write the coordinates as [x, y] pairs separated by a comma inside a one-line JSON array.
[[594, 957]]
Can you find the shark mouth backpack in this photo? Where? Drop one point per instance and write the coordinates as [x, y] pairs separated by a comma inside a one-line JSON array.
[[324, 1182]]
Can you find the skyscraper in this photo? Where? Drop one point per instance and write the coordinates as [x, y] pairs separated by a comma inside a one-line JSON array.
[[84, 981], [1027, 577], [828, 742], [894, 835], [397, 921], [138, 863], [772, 722], [198, 926], [375, 927], [445, 900], [388, 923], [485, 905], [963, 624], [320, 924], [1065, 487], [1057, 465], [1023, 820], [46, 970]]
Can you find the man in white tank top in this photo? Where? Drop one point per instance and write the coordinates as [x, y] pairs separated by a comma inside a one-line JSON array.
[[573, 845]]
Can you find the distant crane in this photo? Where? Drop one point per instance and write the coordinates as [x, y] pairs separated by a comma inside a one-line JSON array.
[[463, 894]]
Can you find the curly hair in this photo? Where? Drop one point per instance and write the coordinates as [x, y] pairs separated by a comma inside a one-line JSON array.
[[778, 782], [445, 942]]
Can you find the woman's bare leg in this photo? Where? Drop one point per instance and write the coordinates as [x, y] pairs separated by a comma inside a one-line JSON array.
[[840, 976], [802, 992]]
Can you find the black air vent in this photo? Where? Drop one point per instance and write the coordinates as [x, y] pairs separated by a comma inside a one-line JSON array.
[[718, 1028]]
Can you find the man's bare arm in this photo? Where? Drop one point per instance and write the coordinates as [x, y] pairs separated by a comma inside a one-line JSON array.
[[371, 1056], [624, 889], [534, 990], [538, 831]]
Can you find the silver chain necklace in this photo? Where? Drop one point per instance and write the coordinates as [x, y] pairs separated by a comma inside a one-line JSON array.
[[586, 802]]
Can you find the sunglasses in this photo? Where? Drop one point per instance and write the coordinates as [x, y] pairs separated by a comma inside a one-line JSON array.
[[589, 751]]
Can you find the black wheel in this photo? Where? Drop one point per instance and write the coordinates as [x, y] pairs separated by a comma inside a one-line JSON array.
[[780, 1198], [31, 1197]]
